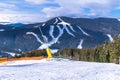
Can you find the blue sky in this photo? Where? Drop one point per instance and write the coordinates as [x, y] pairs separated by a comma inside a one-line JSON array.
[[41, 10]]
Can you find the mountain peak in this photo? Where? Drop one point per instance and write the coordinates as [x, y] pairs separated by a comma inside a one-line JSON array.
[[58, 33]]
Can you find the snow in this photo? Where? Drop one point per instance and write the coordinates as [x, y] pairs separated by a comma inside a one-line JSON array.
[[45, 38], [56, 20], [19, 50], [44, 45], [69, 31], [43, 24], [66, 27], [54, 50], [51, 31], [80, 44], [47, 43], [11, 53], [83, 31], [58, 69], [65, 24], [2, 29], [36, 26], [61, 31], [54, 40], [118, 19], [110, 37], [36, 36], [72, 28]]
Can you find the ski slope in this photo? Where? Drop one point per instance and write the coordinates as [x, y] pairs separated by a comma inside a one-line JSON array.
[[110, 37], [59, 69]]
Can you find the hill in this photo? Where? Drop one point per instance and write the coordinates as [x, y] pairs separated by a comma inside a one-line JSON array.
[[58, 33]]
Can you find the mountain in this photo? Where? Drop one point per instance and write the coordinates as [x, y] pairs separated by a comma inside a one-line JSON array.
[[58, 33], [12, 24], [16, 24]]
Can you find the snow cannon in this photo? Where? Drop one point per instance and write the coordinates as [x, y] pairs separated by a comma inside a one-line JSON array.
[[49, 53]]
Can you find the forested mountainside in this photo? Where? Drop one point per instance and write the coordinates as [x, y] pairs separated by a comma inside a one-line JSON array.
[[58, 33]]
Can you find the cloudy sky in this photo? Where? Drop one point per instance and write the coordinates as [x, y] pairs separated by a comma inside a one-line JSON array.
[[41, 10]]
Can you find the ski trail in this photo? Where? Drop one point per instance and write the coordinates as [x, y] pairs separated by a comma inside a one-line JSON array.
[[63, 22], [53, 41], [36, 26], [83, 31], [69, 31], [71, 27], [59, 18], [11, 53], [44, 37], [66, 28], [19, 50], [43, 24], [61, 31], [51, 31], [56, 20], [80, 44], [110, 37], [36, 36], [47, 43]]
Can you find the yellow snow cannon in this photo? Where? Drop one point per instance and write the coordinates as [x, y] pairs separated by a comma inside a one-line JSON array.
[[49, 53]]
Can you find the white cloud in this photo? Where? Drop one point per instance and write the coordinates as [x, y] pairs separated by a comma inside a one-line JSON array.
[[7, 8], [77, 8], [61, 11], [5, 5], [4, 11], [72, 8], [10, 13], [37, 1], [23, 18]]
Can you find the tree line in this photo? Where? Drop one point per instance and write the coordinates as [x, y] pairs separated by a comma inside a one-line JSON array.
[[34, 53], [107, 52]]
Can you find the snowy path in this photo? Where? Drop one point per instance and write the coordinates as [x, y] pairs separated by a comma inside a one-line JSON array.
[[61, 69]]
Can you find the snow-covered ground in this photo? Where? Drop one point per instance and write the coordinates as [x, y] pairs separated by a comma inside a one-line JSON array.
[[59, 69]]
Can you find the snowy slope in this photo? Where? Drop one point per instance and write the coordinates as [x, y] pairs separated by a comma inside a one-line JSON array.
[[110, 37], [80, 44], [59, 69], [57, 33], [66, 27]]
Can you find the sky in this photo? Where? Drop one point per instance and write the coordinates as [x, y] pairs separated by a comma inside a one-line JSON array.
[[29, 11]]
